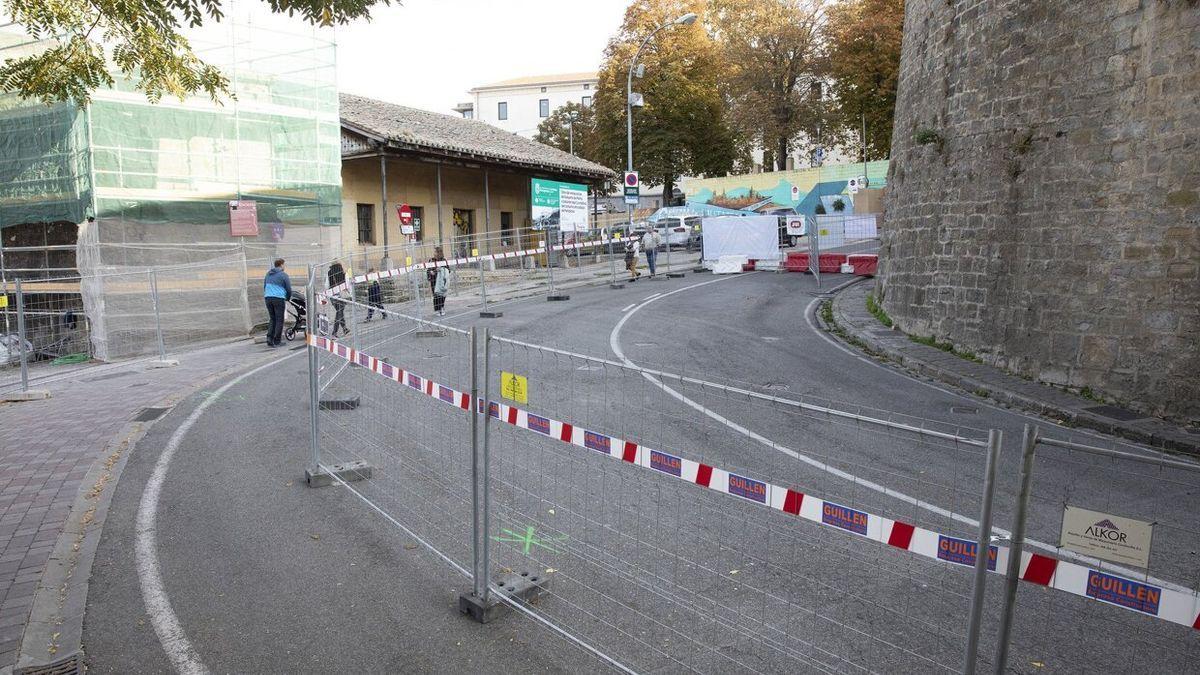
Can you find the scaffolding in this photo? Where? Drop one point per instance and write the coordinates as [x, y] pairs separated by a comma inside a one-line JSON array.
[[122, 186]]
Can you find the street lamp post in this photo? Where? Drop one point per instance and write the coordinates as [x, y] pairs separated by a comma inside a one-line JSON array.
[[571, 117], [684, 20]]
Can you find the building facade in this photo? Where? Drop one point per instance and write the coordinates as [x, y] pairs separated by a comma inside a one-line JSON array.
[[466, 182], [519, 105]]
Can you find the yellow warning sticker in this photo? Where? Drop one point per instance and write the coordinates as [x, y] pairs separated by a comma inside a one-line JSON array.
[[408, 261], [474, 252], [514, 387], [3, 301]]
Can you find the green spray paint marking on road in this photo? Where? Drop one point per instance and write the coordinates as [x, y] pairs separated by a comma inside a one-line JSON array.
[[529, 539]]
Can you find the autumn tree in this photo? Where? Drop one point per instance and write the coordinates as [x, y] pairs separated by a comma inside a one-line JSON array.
[[140, 38], [775, 65], [683, 128], [556, 129], [864, 55]]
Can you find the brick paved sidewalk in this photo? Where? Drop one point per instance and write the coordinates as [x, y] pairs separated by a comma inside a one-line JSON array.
[[851, 316], [48, 447]]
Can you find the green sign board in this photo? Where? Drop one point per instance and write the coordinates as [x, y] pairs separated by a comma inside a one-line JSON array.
[[558, 204]]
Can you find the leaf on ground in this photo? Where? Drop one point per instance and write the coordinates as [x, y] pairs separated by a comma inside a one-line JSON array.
[[315, 537], [1037, 664], [409, 546]]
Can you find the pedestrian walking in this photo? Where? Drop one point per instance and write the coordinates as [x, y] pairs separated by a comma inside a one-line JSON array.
[[631, 259], [375, 298], [650, 243], [337, 277], [439, 279], [277, 288]]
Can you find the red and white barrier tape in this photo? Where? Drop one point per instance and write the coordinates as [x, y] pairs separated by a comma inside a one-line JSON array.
[[1181, 607], [323, 296]]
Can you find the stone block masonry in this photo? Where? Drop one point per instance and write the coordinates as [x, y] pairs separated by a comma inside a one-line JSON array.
[[1044, 192]]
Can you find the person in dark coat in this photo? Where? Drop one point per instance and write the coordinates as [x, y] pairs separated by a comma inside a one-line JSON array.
[[375, 298], [277, 288], [337, 276]]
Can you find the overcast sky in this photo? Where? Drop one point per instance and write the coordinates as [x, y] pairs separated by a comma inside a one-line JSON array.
[[428, 53]]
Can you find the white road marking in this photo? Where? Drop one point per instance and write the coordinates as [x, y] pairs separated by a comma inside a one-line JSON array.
[[629, 306], [651, 297], [614, 342], [158, 606]]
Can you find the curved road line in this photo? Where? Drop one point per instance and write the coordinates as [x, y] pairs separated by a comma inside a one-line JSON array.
[[162, 617], [614, 341]]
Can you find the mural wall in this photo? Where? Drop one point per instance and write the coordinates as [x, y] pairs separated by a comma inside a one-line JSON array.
[[772, 192]]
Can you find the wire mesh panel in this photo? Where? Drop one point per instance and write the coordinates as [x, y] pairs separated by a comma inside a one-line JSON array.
[[692, 526], [1094, 605], [56, 327]]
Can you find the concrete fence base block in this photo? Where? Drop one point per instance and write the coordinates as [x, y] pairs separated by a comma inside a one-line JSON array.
[[429, 333], [699, 269], [349, 472], [340, 403], [558, 297], [489, 314], [31, 395], [524, 587], [614, 286], [674, 275], [165, 363]]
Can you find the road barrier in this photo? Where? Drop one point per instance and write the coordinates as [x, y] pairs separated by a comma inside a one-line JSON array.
[[670, 522]]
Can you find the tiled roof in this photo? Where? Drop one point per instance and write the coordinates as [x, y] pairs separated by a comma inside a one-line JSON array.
[[455, 135], [540, 79]]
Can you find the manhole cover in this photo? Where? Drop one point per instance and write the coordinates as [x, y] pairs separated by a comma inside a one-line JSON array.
[[1115, 413], [149, 414], [964, 410], [108, 376]]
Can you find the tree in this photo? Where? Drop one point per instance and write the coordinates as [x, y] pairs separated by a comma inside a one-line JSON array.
[[142, 40], [775, 68], [864, 50], [683, 127], [555, 130]]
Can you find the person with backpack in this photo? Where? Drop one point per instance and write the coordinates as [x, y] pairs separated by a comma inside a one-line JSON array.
[[277, 288], [337, 277], [439, 280], [375, 298], [650, 243], [631, 259]]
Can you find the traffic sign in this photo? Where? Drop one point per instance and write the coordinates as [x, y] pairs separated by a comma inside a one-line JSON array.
[[632, 187], [404, 211]]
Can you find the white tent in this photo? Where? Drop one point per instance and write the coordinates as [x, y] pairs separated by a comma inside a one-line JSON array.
[[754, 237]]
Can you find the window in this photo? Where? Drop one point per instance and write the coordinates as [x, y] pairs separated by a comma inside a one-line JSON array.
[[366, 223], [543, 90], [468, 114], [587, 100], [502, 110], [586, 86], [506, 229], [544, 108], [418, 217]]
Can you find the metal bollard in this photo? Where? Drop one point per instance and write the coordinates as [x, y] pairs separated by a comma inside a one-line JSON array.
[[982, 550], [21, 337]]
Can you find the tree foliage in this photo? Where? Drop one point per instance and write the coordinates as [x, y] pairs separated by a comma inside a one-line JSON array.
[[683, 128], [555, 130], [776, 66], [141, 38], [864, 49]]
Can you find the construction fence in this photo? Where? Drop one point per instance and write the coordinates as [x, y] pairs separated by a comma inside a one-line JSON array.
[[658, 522]]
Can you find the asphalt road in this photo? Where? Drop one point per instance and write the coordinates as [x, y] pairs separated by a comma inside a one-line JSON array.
[[268, 575]]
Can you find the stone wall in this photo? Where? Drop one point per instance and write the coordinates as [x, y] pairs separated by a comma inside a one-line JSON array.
[[1044, 192]]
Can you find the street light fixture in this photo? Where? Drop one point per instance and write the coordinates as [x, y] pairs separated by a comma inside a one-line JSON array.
[[684, 20]]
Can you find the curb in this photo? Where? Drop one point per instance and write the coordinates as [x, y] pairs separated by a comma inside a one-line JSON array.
[[1169, 438], [53, 633]]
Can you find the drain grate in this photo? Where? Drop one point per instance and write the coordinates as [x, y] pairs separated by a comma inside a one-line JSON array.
[[68, 666], [1115, 413], [108, 376], [150, 414]]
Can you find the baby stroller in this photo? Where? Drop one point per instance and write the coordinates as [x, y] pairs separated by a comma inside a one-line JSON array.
[[296, 306]]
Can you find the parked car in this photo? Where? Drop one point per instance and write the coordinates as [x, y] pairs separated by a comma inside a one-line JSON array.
[[677, 232]]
